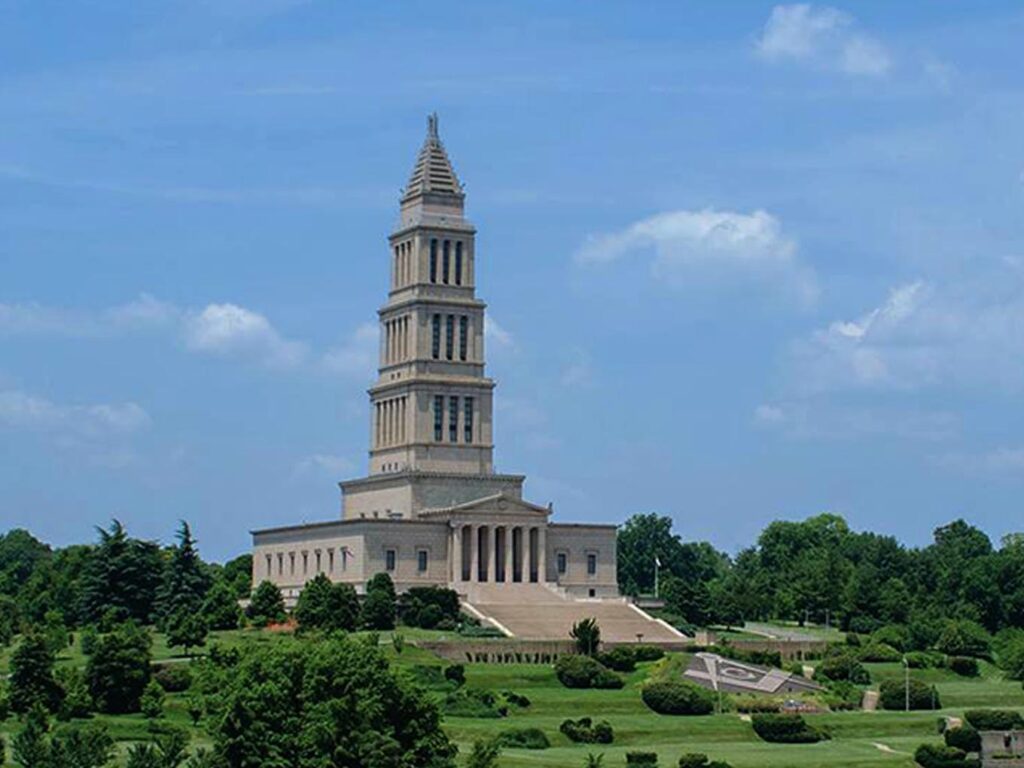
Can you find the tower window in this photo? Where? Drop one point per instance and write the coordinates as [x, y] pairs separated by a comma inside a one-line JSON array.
[[467, 420], [458, 263], [435, 345], [433, 260], [445, 260], [449, 336], [390, 558], [453, 419], [438, 418], [463, 336]]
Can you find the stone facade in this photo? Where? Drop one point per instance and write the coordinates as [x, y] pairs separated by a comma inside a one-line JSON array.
[[432, 511]]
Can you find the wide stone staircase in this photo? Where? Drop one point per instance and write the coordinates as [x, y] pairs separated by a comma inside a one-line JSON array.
[[545, 612]]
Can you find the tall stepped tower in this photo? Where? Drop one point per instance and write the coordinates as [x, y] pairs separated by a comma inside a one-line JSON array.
[[431, 440]]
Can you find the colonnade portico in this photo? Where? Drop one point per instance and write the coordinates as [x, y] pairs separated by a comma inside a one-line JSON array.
[[498, 552]]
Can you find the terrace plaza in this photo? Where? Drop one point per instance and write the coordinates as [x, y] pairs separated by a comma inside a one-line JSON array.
[[432, 510]]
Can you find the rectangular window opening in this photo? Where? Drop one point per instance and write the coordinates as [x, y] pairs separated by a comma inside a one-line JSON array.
[[421, 561], [390, 558], [453, 419], [458, 263], [445, 261], [467, 420], [433, 260], [438, 417], [463, 336], [435, 343], [563, 563], [449, 336], [591, 565]]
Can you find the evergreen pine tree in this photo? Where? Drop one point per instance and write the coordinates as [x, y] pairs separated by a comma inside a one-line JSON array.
[[185, 581]]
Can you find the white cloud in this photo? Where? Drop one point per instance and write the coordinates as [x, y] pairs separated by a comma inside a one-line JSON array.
[[690, 246], [495, 335], [998, 461], [22, 411], [227, 329], [769, 414], [824, 35], [922, 336], [358, 356], [825, 420], [578, 373]]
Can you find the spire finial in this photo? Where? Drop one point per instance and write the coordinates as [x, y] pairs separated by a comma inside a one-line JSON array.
[[432, 125]]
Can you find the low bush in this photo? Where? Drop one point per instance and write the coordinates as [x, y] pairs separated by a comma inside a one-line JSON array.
[[475, 630], [678, 698], [642, 759], [700, 760], [427, 607], [585, 672], [964, 666], [428, 675], [516, 699], [173, 678], [648, 653], [456, 673], [472, 702], [994, 719], [941, 756], [523, 738], [875, 652], [585, 731], [892, 694], [750, 704], [786, 729], [621, 659], [965, 737], [842, 666], [923, 660], [895, 635], [964, 638], [842, 696]]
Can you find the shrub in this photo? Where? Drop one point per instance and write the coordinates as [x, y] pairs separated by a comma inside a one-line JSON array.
[[879, 652], [621, 659], [965, 737], [152, 702], [456, 673], [516, 699], [642, 759], [678, 698], [473, 702], [648, 653], [587, 635], [585, 731], [964, 638], [923, 660], [428, 607], [893, 695], [784, 728], [842, 695], [895, 635], [751, 704], [941, 756], [523, 738], [428, 675], [964, 666], [843, 666], [173, 678], [585, 672], [700, 760], [994, 719]]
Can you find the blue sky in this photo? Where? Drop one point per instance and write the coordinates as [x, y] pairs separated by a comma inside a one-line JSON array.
[[744, 261]]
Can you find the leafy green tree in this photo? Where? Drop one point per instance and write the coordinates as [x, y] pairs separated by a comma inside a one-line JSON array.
[[81, 746], [237, 573], [379, 608], [323, 605], [119, 670], [30, 746], [186, 630], [31, 680], [151, 703], [688, 599], [169, 750], [220, 609], [587, 636], [645, 539], [185, 580], [295, 703], [8, 619], [75, 700], [121, 577], [964, 638], [267, 605]]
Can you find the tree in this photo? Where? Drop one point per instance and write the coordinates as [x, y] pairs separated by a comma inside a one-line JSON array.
[[30, 747], [312, 611], [379, 607], [185, 581], [151, 703], [267, 606], [81, 746], [121, 577], [220, 609], [119, 670], [587, 635], [169, 750], [8, 619], [293, 704], [186, 630], [688, 599], [237, 573], [964, 638], [76, 701], [31, 680]]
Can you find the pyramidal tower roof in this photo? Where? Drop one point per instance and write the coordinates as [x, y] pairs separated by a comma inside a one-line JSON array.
[[433, 174]]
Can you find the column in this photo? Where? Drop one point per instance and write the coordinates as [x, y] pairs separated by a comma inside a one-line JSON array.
[[456, 553], [508, 554], [474, 553], [494, 554], [542, 553], [524, 554]]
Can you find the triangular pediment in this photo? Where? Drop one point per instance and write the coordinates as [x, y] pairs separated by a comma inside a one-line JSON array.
[[495, 504]]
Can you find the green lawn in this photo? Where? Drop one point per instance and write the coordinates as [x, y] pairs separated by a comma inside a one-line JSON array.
[[855, 742]]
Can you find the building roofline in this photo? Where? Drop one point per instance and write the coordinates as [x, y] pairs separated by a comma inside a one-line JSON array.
[[421, 474], [344, 523]]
